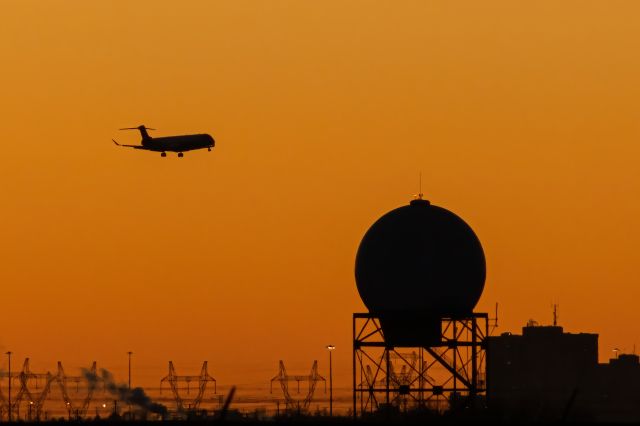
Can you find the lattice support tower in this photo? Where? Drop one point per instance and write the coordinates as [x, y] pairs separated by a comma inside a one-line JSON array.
[[174, 380], [34, 389], [312, 380], [64, 380], [448, 374], [34, 396]]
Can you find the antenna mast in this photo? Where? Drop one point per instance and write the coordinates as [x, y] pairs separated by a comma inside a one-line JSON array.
[[493, 322], [555, 314]]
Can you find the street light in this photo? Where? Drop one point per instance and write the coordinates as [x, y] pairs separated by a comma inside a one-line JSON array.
[[130, 353], [130, 410], [9, 355], [330, 348]]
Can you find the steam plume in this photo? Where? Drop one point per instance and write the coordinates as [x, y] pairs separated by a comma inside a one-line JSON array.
[[136, 396]]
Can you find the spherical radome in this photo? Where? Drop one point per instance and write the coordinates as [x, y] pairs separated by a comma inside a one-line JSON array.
[[420, 260]]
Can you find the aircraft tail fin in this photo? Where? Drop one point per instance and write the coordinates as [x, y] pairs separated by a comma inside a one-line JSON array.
[[143, 131]]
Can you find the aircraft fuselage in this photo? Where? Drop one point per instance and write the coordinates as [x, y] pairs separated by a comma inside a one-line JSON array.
[[178, 143]]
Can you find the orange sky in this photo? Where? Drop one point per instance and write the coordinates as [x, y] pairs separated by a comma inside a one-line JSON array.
[[522, 117]]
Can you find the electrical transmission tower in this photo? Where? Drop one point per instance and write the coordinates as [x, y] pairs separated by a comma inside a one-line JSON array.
[[34, 389], [34, 397], [63, 381], [312, 379], [174, 380], [406, 376]]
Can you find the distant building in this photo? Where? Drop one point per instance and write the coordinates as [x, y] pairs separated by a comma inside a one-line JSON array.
[[546, 374], [616, 392]]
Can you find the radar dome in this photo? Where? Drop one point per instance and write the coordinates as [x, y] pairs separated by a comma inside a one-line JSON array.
[[417, 264]]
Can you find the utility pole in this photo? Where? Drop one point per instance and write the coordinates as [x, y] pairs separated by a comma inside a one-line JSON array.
[[130, 353], [130, 407], [9, 354], [330, 348]]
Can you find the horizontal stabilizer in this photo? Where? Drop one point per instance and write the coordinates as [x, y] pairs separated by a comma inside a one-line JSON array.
[[128, 146]]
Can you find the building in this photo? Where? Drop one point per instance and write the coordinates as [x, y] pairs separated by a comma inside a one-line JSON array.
[[546, 374]]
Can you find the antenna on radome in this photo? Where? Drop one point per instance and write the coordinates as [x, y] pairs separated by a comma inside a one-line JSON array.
[[555, 314], [420, 194]]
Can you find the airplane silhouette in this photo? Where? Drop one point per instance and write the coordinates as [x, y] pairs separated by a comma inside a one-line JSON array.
[[177, 144]]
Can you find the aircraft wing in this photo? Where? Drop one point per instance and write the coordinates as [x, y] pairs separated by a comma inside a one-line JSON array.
[[128, 146]]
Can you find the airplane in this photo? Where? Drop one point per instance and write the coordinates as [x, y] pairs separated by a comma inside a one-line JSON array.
[[177, 144]]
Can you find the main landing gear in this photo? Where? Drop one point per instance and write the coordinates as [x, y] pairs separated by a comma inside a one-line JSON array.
[[164, 154], [180, 155]]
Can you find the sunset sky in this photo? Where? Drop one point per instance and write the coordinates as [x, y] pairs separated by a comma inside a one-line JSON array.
[[523, 117]]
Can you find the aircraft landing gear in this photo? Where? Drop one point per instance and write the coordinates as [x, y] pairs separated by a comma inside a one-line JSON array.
[[209, 149], [164, 154], [180, 155]]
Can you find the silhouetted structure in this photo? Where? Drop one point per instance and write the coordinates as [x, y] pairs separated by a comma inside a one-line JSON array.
[[546, 374], [35, 388], [420, 271], [202, 380], [312, 379]]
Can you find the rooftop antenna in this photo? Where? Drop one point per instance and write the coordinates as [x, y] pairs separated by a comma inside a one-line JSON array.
[[420, 194], [555, 314]]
